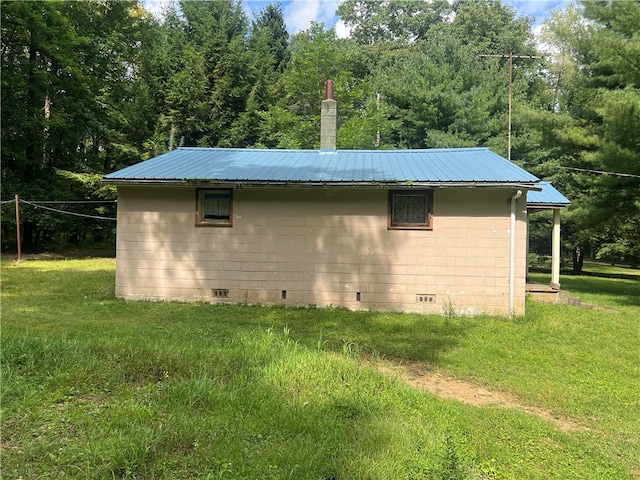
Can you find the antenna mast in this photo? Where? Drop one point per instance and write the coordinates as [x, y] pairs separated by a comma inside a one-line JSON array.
[[510, 56]]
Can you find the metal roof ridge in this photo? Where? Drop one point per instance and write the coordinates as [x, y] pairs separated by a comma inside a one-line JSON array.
[[343, 150], [419, 150]]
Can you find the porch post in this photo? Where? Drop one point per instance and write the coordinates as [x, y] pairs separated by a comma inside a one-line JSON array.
[[555, 250], [528, 246]]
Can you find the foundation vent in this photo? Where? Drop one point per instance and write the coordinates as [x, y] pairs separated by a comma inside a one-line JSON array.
[[425, 298], [220, 292]]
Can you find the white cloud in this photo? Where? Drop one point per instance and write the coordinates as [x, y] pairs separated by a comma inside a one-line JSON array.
[[154, 7], [342, 30], [298, 14], [328, 8]]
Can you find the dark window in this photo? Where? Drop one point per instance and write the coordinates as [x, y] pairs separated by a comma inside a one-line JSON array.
[[411, 209], [214, 208]]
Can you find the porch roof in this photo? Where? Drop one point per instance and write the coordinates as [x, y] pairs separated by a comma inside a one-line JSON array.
[[548, 197]]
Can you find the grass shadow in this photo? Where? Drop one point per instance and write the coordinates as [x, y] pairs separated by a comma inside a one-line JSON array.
[[392, 335], [623, 292], [610, 275], [82, 292], [587, 273]]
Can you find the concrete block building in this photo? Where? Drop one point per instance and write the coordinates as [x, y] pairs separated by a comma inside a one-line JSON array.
[[384, 230]]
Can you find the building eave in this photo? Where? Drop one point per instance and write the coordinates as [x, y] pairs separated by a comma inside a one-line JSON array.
[[547, 206], [227, 183]]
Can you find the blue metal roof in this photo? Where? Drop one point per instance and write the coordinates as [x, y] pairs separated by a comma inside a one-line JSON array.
[[548, 197], [284, 167]]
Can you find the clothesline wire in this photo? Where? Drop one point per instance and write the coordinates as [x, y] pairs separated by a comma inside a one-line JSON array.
[[65, 212], [70, 202]]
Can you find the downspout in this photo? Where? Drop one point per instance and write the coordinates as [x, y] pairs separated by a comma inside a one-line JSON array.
[[512, 253]]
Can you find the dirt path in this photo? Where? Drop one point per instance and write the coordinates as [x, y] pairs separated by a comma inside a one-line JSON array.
[[422, 376]]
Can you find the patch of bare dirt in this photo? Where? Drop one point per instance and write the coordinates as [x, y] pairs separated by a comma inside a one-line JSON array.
[[422, 376]]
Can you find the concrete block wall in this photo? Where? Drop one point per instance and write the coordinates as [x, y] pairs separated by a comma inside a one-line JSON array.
[[297, 246]]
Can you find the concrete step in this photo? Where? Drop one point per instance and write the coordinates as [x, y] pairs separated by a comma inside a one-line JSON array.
[[547, 294], [565, 297]]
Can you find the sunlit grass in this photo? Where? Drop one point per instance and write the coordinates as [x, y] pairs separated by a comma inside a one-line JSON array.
[[95, 387]]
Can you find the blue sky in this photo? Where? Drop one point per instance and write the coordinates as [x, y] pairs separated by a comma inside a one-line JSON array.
[[298, 14]]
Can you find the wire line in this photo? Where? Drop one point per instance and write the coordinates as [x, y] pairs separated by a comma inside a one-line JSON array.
[[95, 217], [601, 172], [53, 202]]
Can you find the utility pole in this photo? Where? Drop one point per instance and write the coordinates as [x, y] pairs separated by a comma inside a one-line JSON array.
[[510, 56]]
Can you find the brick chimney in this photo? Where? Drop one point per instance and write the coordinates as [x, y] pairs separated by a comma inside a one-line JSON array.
[[328, 119]]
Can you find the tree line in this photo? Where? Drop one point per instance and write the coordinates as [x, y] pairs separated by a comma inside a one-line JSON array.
[[92, 87]]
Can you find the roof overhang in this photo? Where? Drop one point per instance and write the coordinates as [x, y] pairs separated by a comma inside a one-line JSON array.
[[546, 198], [310, 184], [548, 206]]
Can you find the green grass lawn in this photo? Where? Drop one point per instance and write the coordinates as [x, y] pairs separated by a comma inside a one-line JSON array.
[[95, 387]]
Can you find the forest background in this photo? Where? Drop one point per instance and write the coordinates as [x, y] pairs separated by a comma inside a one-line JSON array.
[[92, 87]]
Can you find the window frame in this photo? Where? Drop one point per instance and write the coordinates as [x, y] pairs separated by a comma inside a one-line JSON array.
[[427, 194], [200, 197]]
